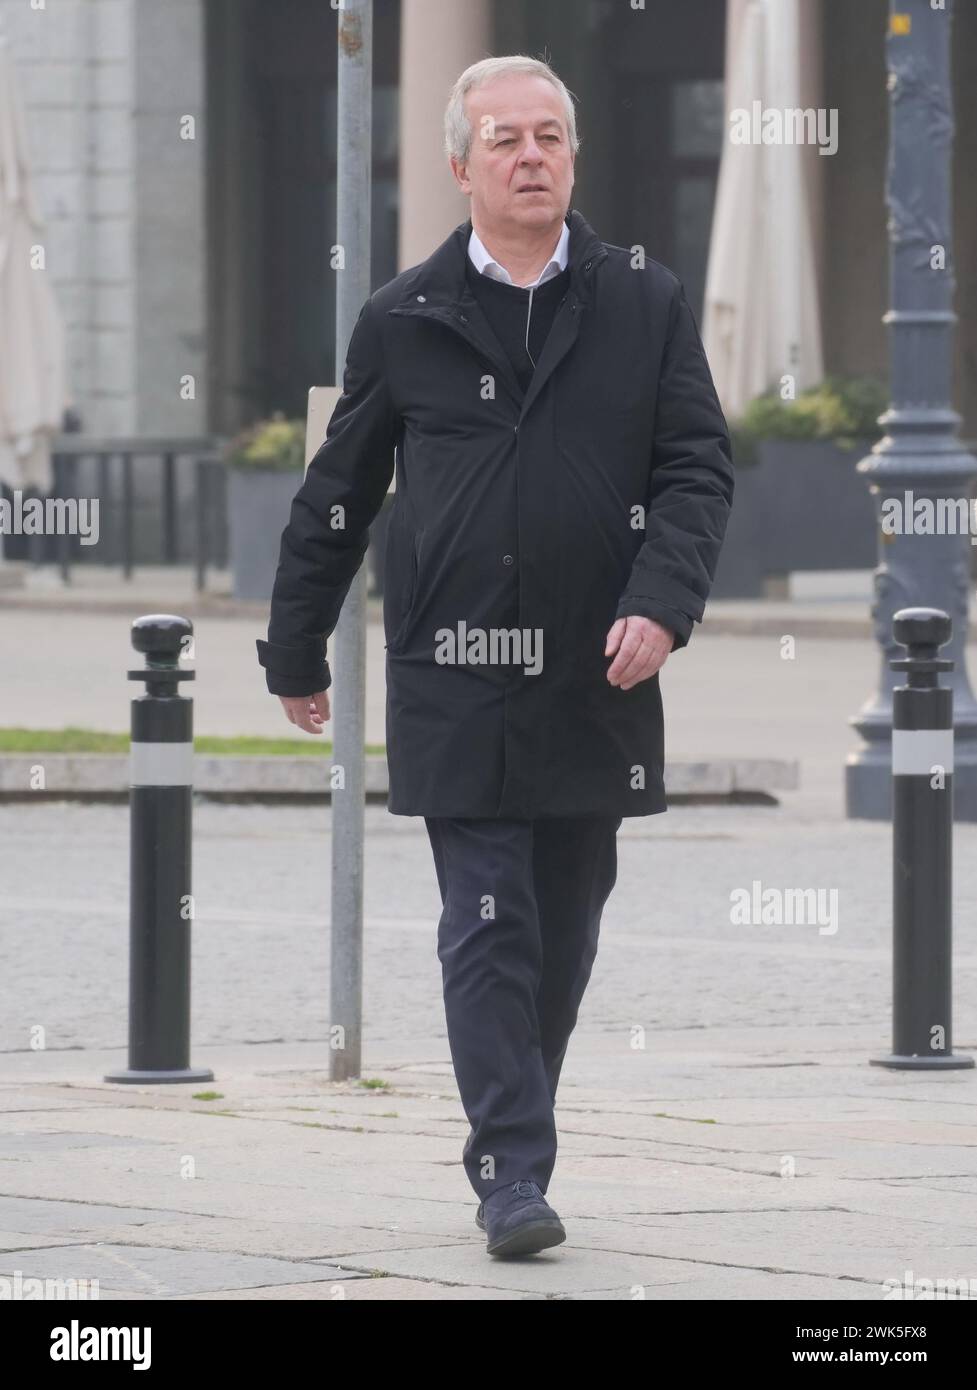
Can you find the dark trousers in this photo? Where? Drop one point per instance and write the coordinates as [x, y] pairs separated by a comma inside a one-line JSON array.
[[516, 940]]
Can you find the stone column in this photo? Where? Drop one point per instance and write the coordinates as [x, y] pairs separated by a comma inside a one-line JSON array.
[[439, 39], [170, 244]]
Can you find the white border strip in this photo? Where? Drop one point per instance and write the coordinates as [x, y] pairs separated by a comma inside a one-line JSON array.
[[161, 764], [915, 752]]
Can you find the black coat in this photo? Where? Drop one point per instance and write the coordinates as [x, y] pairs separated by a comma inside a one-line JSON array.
[[602, 492]]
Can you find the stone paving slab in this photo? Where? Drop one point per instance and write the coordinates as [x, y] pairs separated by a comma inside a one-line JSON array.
[[711, 1285], [12, 1241], [292, 1239], [80, 1219], [378, 1288], [24, 1142], [704, 1286], [570, 1269], [160, 1272], [657, 1203], [965, 1184]]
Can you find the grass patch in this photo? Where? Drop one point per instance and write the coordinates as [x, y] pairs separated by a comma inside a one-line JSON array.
[[91, 741]]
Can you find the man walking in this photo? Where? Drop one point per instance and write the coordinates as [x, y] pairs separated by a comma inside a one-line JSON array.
[[563, 482]]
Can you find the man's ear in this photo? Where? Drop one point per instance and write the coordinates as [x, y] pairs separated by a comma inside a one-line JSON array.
[[460, 172]]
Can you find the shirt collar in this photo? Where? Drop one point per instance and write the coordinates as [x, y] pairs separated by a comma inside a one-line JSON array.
[[483, 261]]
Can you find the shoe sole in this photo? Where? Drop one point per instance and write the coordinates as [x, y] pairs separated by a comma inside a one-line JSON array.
[[528, 1239]]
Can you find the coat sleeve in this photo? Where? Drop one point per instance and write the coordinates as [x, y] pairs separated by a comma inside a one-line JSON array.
[[327, 534], [690, 487]]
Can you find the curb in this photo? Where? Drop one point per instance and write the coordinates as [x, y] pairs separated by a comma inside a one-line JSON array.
[[809, 625], [84, 775]]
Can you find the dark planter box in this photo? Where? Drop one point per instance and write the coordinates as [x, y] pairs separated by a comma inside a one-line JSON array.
[[258, 504], [801, 506]]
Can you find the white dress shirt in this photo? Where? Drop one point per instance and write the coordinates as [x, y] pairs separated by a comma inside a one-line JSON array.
[[483, 261]]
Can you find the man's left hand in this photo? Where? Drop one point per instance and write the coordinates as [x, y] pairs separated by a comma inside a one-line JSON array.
[[642, 648]]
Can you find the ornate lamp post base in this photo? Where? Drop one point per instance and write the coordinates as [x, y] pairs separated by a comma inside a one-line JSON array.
[[919, 471]]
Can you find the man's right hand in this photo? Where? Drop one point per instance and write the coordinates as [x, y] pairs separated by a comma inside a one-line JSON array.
[[309, 712]]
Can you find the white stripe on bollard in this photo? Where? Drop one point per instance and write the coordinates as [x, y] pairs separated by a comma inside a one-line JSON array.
[[915, 752], [161, 764]]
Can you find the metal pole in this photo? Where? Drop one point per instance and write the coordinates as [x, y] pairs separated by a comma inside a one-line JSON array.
[[922, 849], [160, 827], [353, 174], [920, 464]]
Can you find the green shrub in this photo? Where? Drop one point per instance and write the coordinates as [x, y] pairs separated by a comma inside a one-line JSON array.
[[276, 445], [842, 409]]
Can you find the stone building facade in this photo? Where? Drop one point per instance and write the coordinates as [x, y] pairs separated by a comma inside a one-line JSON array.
[[183, 161]]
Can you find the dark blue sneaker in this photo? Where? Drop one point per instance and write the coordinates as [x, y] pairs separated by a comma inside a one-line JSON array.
[[480, 1216], [518, 1220]]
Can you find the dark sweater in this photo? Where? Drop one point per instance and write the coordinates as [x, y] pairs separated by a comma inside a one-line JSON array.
[[506, 307]]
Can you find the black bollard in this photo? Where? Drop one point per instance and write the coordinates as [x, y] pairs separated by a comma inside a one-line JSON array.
[[922, 844], [160, 828]]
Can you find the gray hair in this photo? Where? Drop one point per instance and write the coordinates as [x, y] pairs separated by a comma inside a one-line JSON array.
[[457, 127]]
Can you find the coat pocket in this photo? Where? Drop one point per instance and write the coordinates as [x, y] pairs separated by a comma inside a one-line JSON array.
[[405, 606]]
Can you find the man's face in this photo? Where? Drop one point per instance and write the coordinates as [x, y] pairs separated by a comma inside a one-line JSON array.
[[520, 169]]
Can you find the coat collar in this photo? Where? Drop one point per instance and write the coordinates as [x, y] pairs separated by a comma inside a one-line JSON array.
[[438, 289], [441, 278]]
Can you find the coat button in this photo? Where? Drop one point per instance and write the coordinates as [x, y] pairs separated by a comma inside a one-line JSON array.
[[507, 559]]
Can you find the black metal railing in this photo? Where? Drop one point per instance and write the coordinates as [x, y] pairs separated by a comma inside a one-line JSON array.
[[114, 484]]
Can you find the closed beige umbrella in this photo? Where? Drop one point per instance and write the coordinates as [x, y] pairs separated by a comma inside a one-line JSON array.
[[32, 395], [761, 317]]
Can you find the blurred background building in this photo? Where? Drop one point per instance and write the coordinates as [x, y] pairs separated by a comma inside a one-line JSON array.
[[183, 157]]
